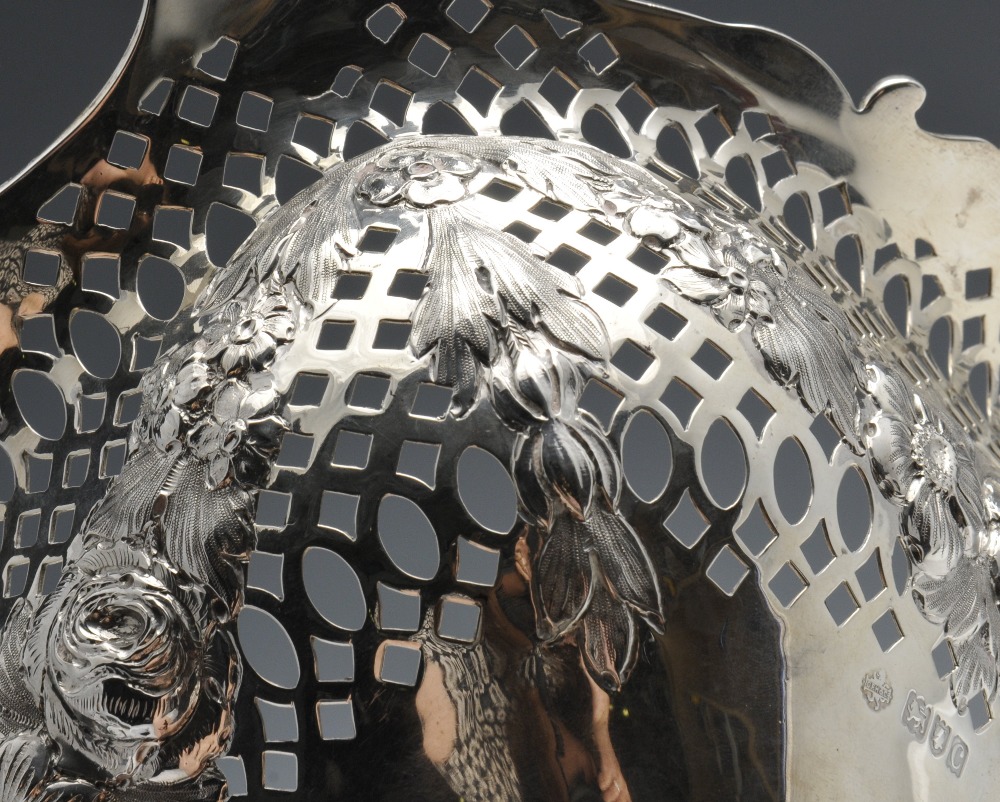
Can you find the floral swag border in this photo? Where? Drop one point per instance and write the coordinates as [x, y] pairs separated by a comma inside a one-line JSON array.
[[503, 328]]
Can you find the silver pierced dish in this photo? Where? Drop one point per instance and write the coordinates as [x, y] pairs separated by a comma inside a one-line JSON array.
[[496, 403]]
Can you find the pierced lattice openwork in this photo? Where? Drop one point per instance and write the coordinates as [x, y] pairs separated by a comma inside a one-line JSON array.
[[475, 401]]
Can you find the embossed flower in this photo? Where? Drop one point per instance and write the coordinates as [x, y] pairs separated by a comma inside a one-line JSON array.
[[732, 286], [174, 394], [191, 383], [240, 432], [419, 178], [256, 334], [130, 648], [924, 460], [659, 223], [159, 420]]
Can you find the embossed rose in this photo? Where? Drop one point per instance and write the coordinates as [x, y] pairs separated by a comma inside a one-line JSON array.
[[124, 657], [419, 178]]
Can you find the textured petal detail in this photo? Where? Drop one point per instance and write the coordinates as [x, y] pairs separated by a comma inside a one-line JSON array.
[[968, 496], [610, 646], [478, 279], [128, 502], [304, 241], [958, 599], [531, 491], [976, 671], [458, 312], [935, 525], [577, 175], [206, 531], [627, 567], [888, 440], [562, 578], [808, 346], [532, 292], [18, 711], [567, 468], [24, 764], [890, 391], [697, 284]]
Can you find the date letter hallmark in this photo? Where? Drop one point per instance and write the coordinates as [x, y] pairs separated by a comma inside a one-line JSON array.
[[957, 756], [917, 716], [877, 690]]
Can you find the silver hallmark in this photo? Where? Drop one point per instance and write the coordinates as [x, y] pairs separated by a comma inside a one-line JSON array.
[[917, 717], [877, 690]]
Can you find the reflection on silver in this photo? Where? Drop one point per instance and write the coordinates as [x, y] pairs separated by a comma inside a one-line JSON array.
[[553, 290]]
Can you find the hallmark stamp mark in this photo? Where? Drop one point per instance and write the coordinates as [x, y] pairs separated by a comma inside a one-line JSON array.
[[877, 690], [920, 719]]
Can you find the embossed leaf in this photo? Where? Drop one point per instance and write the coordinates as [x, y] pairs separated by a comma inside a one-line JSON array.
[[934, 524], [24, 765], [976, 671], [206, 531], [610, 645], [578, 175], [807, 346], [888, 440], [20, 711], [477, 278], [306, 240], [562, 580], [631, 578], [697, 284], [889, 389], [128, 503], [959, 599], [458, 312]]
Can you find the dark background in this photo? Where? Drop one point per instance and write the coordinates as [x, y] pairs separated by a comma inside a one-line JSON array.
[[950, 46], [57, 54]]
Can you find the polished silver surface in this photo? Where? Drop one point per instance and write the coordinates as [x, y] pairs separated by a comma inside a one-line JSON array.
[[485, 402]]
